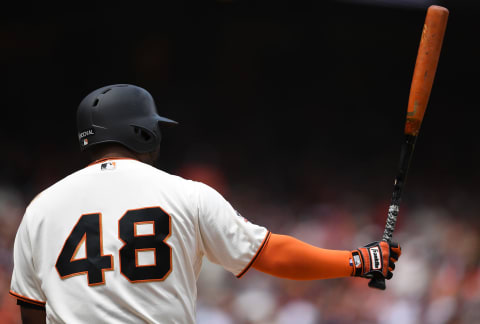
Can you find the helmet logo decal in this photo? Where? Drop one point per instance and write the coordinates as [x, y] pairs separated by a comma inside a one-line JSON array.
[[86, 133]]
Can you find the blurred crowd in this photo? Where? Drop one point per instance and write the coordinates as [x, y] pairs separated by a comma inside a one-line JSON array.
[[437, 280]]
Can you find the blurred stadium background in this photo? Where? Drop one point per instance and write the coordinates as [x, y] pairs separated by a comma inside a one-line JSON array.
[[294, 111]]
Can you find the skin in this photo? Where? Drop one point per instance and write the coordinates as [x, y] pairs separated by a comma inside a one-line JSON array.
[[38, 316], [33, 316], [116, 150]]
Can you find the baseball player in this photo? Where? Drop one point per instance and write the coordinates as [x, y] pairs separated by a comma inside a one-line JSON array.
[[122, 242]]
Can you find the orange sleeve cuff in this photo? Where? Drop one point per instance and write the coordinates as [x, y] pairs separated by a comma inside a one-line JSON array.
[[27, 300], [286, 257]]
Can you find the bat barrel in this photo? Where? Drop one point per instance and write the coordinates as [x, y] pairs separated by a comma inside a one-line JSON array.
[[425, 66]]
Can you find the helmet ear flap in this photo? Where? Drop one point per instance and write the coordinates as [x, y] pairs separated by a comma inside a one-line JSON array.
[[143, 135]]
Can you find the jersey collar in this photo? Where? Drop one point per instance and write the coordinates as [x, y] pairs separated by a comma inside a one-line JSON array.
[[111, 158]]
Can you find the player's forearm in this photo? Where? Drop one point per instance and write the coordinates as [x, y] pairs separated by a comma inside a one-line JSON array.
[[286, 257]]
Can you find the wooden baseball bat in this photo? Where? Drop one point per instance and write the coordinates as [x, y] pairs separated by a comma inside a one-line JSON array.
[[423, 76]]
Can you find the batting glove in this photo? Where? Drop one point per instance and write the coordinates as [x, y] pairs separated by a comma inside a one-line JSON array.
[[376, 260]]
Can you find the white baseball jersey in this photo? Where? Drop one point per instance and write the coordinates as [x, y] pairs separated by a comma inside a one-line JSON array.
[[122, 242]]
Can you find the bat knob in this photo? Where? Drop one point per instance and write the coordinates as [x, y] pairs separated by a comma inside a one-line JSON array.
[[378, 283]]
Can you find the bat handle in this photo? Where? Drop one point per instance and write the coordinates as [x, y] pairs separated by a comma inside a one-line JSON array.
[[379, 282]]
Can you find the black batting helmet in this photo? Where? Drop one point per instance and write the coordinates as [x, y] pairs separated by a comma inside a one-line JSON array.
[[120, 113]]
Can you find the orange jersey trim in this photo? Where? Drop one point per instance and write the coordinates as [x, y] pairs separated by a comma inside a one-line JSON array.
[[26, 299], [145, 222], [110, 158], [249, 265], [146, 250]]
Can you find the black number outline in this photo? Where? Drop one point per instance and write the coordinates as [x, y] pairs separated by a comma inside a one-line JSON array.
[[144, 235], [84, 238]]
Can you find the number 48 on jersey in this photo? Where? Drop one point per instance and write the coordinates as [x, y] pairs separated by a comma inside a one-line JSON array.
[[88, 232]]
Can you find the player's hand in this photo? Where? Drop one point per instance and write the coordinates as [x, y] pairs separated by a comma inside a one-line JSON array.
[[376, 260]]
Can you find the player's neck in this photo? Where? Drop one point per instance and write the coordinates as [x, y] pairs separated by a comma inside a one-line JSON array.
[[112, 155], [112, 151]]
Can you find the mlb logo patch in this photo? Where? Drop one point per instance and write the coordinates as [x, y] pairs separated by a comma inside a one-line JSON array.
[[82, 136], [108, 166]]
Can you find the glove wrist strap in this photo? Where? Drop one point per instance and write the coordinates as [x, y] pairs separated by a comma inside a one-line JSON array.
[[357, 264]]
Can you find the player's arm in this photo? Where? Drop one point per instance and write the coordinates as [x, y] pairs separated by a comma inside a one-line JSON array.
[[26, 285], [286, 257], [33, 315]]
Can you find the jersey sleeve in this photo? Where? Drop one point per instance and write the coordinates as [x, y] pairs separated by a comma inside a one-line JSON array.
[[25, 284], [226, 237]]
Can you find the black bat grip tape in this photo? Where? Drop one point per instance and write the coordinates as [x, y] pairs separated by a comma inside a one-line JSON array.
[[405, 159], [379, 282]]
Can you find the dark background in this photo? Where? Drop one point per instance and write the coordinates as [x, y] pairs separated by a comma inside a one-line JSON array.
[[283, 91]]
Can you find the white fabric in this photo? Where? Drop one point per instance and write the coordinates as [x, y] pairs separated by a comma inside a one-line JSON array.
[[202, 223]]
